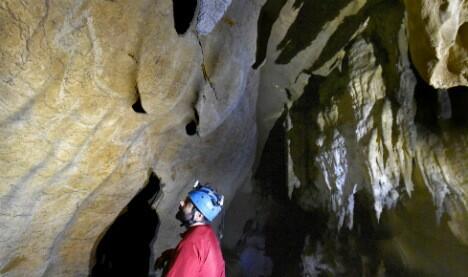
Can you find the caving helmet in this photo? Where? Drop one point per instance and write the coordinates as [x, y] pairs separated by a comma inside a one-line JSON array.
[[206, 200]]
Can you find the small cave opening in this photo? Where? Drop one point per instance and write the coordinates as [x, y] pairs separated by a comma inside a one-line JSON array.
[[137, 106], [192, 127], [125, 248], [184, 11]]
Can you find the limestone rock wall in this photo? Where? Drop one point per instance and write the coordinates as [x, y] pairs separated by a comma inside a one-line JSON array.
[[97, 94], [438, 39], [362, 121], [355, 125]]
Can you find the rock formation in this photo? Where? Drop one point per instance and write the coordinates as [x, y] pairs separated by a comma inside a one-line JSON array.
[[95, 96], [362, 124], [438, 32]]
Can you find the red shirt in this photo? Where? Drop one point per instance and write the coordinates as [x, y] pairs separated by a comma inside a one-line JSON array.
[[197, 254]]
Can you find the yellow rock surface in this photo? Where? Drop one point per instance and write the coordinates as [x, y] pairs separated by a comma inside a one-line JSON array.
[[73, 152], [438, 40]]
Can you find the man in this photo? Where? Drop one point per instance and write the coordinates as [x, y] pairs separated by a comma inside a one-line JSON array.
[[198, 253]]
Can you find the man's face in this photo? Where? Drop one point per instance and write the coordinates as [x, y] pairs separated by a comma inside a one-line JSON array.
[[185, 212]]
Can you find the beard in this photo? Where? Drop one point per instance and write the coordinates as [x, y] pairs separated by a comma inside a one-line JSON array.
[[185, 219]]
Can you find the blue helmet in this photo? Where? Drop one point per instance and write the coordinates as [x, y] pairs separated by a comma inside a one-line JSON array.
[[206, 200]]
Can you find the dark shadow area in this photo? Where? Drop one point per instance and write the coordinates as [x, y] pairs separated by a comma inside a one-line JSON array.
[[268, 15], [184, 10], [192, 127], [311, 17], [287, 225], [125, 248], [300, 112], [272, 171], [427, 105], [137, 106], [459, 101]]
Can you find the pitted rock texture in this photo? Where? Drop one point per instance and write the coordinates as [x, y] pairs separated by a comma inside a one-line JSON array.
[[438, 39], [74, 151]]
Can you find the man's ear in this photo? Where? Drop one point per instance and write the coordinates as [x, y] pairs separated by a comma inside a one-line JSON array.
[[198, 216]]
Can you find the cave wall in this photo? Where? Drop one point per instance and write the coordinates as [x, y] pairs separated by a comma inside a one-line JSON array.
[[374, 128], [356, 125], [95, 96], [438, 32]]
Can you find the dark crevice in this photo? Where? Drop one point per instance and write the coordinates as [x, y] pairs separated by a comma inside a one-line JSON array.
[[192, 127], [203, 68], [288, 94], [427, 105], [183, 10], [125, 248], [195, 113], [137, 106], [459, 102], [133, 57]]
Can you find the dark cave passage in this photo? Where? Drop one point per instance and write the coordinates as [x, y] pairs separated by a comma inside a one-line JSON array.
[[273, 240], [459, 98], [284, 238], [124, 250]]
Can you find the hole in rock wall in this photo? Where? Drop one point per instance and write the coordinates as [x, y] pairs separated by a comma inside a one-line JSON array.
[[459, 101], [137, 106], [124, 250], [183, 10], [192, 127]]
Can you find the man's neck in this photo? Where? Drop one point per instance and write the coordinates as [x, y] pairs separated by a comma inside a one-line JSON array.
[[197, 224]]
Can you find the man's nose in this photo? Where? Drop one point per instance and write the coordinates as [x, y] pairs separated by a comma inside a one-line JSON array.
[[181, 203]]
